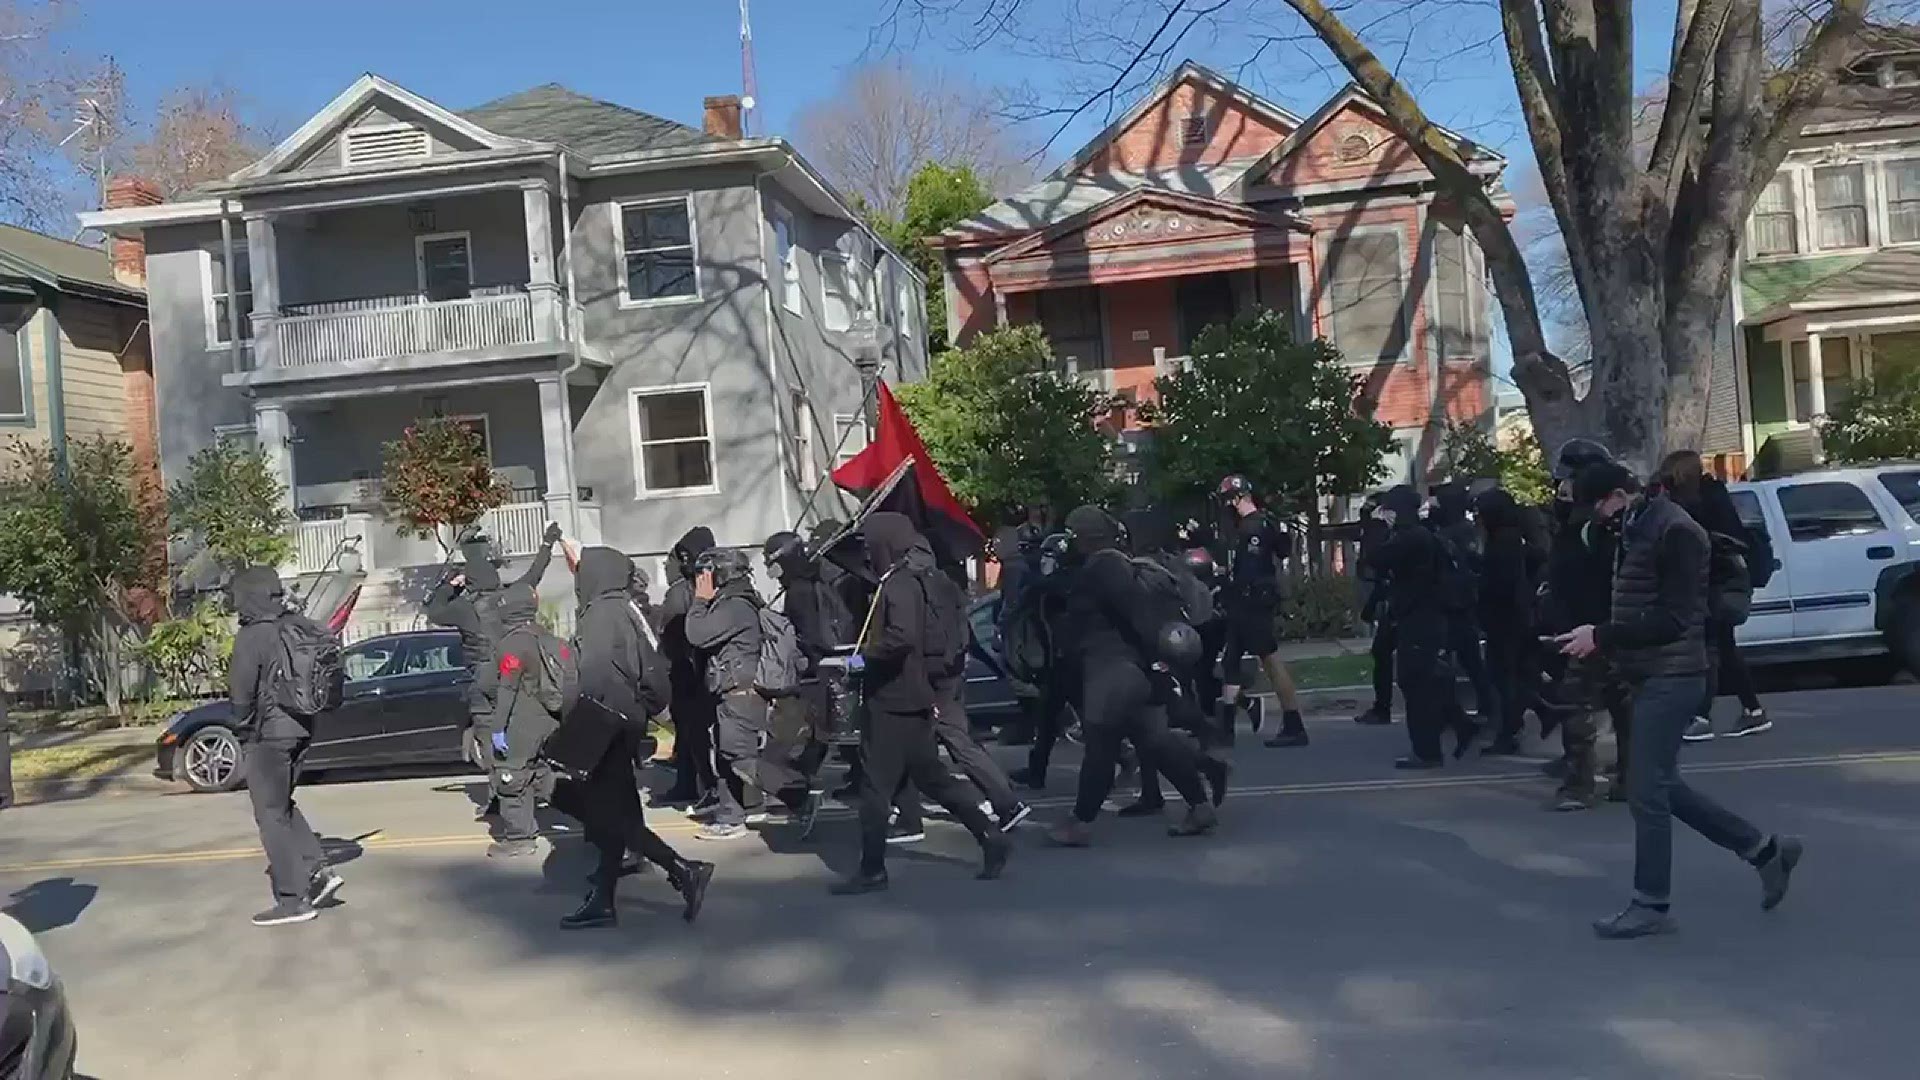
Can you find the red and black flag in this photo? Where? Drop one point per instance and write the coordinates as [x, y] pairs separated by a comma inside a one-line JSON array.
[[896, 473]]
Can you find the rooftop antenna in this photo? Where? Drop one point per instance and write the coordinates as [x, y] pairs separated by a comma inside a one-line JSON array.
[[98, 116], [748, 91]]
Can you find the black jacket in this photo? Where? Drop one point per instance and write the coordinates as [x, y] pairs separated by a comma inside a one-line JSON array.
[[469, 608], [725, 634], [818, 612], [684, 664], [618, 665], [895, 644], [1510, 567], [253, 676], [1659, 593], [517, 709], [1579, 575], [1407, 565]]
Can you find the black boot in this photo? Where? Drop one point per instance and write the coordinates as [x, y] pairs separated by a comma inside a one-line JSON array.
[[689, 878], [596, 910], [860, 882]]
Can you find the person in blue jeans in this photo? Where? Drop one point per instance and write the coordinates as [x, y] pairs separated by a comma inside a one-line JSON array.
[[1657, 639]]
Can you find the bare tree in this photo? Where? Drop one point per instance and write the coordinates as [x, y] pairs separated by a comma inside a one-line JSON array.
[[197, 134], [887, 118], [31, 83], [1650, 234]]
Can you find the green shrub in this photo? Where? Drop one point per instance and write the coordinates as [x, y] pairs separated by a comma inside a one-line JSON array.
[[1318, 607], [190, 653]]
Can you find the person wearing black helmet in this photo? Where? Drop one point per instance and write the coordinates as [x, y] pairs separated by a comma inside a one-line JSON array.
[[1251, 599], [1510, 571], [1036, 628], [796, 743], [1114, 629], [693, 706], [1375, 612], [1410, 563]]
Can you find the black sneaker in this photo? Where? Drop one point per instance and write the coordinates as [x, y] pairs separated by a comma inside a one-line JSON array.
[[1752, 722], [993, 858], [1568, 803], [1142, 808], [859, 884], [1286, 740], [1021, 811], [1701, 730], [691, 882], [900, 834], [1374, 717], [1028, 779], [323, 886], [1256, 712], [1635, 921], [1417, 764], [1501, 746], [285, 914], [1777, 873], [512, 849]]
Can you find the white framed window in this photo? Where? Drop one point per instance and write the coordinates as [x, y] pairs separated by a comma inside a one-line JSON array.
[[904, 302], [658, 253], [1366, 296], [801, 436], [1775, 226], [241, 435], [1840, 207], [477, 424], [443, 265], [837, 297], [789, 258], [849, 437], [1459, 328], [216, 287], [1903, 201], [672, 428], [15, 404]]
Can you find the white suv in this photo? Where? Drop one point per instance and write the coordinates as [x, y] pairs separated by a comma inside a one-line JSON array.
[[1846, 580]]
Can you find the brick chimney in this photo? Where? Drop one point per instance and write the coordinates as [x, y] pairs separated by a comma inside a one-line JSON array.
[[130, 253], [722, 116]]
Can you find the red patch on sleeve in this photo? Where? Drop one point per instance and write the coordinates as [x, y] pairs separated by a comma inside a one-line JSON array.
[[509, 666]]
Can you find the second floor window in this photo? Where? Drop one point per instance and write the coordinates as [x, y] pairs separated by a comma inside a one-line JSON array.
[[1775, 229], [1903, 201], [656, 240], [672, 442], [1366, 292], [229, 291], [838, 299], [1458, 327], [789, 257], [1840, 207]]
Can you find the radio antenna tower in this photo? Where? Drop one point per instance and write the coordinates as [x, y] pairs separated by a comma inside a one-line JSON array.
[[749, 93]]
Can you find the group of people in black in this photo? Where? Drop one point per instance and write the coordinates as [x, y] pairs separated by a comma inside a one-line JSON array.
[[1623, 602]]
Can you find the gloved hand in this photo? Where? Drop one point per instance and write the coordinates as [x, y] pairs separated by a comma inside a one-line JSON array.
[[552, 535], [500, 743], [856, 662]]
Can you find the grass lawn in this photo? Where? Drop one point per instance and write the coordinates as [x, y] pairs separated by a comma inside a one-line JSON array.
[[1320, 672], [83, 762]]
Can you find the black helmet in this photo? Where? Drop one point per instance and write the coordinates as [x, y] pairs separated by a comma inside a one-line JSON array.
[[1179, 645], [1576, 454], [1234, 485], [1198, 561], [727, 564]]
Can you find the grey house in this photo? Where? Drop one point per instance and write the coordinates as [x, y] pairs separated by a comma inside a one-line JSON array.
[[652, 327]]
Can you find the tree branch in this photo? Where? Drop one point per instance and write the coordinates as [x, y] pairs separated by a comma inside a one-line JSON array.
[[1795, 91], [1690, 66]]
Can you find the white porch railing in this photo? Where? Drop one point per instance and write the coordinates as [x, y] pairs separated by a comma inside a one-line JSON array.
[[448, 325], [516, 528], [318, 544]]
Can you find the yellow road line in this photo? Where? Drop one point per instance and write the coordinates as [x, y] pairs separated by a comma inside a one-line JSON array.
[[378, 841]]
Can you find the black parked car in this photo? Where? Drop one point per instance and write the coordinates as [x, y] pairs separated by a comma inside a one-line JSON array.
[[406, 704], [36, 1029]]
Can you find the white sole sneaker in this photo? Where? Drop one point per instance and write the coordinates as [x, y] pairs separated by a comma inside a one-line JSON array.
[[906, 838], [1764, 725], [1019, 816], [328, 890], [285, 918]]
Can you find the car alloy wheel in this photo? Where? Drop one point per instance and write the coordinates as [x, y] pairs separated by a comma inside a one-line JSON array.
[[211, 760]]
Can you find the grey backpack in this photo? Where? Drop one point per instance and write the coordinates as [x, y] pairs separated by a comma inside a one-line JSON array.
[[778, 673]]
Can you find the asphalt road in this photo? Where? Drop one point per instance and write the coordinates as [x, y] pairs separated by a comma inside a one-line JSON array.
[[1345, 923]]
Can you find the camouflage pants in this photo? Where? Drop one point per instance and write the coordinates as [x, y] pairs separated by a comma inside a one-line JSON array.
[[1593, 686]]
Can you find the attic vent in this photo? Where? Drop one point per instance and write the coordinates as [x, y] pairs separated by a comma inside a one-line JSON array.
[[1193, 131], [1354, 147], [379, 145]]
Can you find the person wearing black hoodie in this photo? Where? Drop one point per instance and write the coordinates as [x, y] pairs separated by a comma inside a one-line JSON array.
[[693, 706], [797, 739], [521, 720], [723, 626], [620, 670], [273, 740], [1410, 563], [1114, 636], [1447, 517], [464, 600], [899, 744], [1509, 571]]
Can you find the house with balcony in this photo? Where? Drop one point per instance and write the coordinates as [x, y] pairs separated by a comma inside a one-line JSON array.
[[1204, 201], [1828, 281], [650, 326]]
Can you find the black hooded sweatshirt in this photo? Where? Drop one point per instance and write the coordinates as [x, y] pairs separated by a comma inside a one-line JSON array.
[[820, 617], [619, 667], [725, 632], [894, 641], [469, 608], [517, 709], [689, 681], [252, 677], [1108, 617], [1510, 566], [1408, 561]]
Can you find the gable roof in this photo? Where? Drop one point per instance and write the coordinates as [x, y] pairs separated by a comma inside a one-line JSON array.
[[61, 264], [367, 88], [554, 114], [1351, 95], [1052, 201], [1197, 204], [1188, 70]]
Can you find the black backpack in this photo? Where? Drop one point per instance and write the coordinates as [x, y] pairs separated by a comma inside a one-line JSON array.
[[656, 686], [558, 685], [311, 672], [1026, 641], [948, 632], [1729, 579], [1459, 585], [1759, 557]]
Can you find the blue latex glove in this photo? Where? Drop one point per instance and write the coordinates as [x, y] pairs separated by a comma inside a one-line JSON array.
[[500, 743], [856, 662]]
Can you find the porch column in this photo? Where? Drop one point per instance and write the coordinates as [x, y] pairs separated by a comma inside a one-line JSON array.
[[556, 435], [1816, 378], [1302, 316], [274, 433], [542, 283], [263, 264]]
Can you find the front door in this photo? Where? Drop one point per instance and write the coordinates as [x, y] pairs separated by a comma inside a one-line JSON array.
[[1837, 541], [1202, 301], [445, 265], [1771, 618]]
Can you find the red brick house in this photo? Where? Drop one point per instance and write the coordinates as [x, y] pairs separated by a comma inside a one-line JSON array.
[[1205, 201]]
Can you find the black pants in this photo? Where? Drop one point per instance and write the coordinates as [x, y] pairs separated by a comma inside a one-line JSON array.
[[740, 724], [950, 728], [1117, 705], [607, 805], [293, 851], [1463, 640], [1727, 669], [1189, 712], [1049, 713], [693, 743], [901, 748], [1510, 671], [1426, 682], [1383, 645]]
